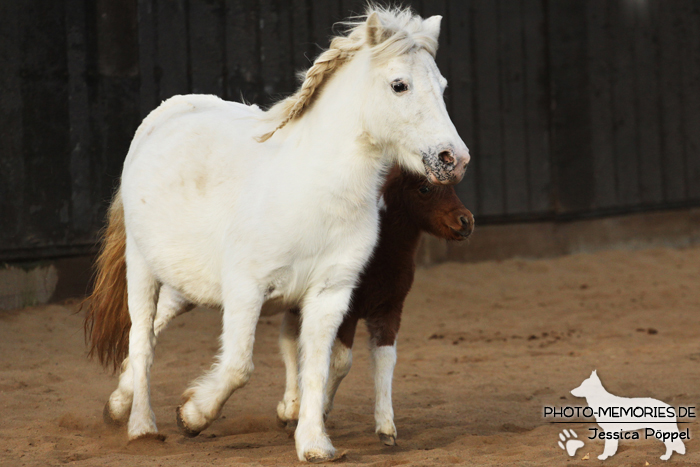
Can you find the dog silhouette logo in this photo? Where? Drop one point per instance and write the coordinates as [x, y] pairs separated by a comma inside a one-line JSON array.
[[617, 415]]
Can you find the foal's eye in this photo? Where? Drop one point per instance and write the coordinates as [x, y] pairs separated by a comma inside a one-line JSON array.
[[424, 189], [399, 86]]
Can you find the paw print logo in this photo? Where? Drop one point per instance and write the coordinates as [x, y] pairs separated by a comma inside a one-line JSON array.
[[569, 443]]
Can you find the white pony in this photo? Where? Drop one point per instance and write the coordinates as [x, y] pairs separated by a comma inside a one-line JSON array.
[[226, 205]]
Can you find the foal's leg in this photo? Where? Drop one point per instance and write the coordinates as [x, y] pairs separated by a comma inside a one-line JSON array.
[[288, 407], [142, 289], [321, 316], [341, 359], [383, 330], [118, 407], [234, 364]]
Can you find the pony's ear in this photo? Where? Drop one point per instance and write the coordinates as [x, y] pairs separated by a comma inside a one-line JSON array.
[[432, 26], [376, 34]]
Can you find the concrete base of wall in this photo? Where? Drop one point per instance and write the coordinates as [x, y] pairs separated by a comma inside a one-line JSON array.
[[679, 228], [26, 286]]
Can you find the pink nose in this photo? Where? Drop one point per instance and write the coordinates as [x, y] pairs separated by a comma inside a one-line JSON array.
[[459, 158]]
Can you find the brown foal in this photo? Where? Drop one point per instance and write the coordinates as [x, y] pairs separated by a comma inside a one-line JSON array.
[[412, 206]]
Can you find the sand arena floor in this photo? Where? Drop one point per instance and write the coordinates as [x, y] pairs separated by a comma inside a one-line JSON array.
[[482, 349]]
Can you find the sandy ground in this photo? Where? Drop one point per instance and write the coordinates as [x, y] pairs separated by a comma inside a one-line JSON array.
[[483, 348]]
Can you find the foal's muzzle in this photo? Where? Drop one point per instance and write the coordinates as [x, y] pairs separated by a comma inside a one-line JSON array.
[[466, 220]]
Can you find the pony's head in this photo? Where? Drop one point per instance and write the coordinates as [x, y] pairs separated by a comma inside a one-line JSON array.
[[401, 91], [434, 209]]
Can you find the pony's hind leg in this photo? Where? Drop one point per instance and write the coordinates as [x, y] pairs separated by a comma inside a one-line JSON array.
[[288, 407], [321, 316], [142, 289], [234, 365], [117, 409], [341, 359]]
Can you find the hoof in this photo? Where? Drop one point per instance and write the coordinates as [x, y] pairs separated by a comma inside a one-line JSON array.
[[319, 459], [184, 429], [387, 440], [109, 418], [148, 437]]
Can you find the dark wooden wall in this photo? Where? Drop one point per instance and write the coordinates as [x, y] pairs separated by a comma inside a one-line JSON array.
[[570, 108]]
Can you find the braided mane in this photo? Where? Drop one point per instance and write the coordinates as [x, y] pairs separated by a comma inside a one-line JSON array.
[[401, 31]]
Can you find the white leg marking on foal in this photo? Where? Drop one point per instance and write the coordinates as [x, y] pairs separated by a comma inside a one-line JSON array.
[[384, 361]]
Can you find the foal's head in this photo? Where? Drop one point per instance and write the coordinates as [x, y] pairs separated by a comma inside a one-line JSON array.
[[432, 208]]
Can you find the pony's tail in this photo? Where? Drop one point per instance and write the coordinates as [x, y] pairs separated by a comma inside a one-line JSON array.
[[107, 321]]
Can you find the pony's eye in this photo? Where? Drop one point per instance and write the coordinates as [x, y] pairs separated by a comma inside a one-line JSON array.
[[399, 87], [424, 189]]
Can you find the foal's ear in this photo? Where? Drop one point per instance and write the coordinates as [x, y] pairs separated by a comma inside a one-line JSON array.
[[432, 26], [376, 34]]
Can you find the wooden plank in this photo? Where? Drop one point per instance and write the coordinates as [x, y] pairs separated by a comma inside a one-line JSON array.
[[439, 7], [512, 107], [117, 107], [172, 56], [117, 37], [646, 68], [352, 8], [537, 106], [624, 106], [12, 177], [323, 15], [119, 115], [691, 98], [47, 190], [243, 50], [600, 98], [489, 133], [646, 55], [571, 120], [148, 97], [461, 85], [303, 48], [206, 36], [275, 50], [671, 42], [78, 111]]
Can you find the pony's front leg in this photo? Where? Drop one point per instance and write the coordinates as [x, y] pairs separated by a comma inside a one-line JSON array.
[[142, 289], [288, 407], [118, 408], [234, 364], [321, 316]]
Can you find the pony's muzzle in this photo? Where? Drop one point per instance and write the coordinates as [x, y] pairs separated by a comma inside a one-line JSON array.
[[446, 165]]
